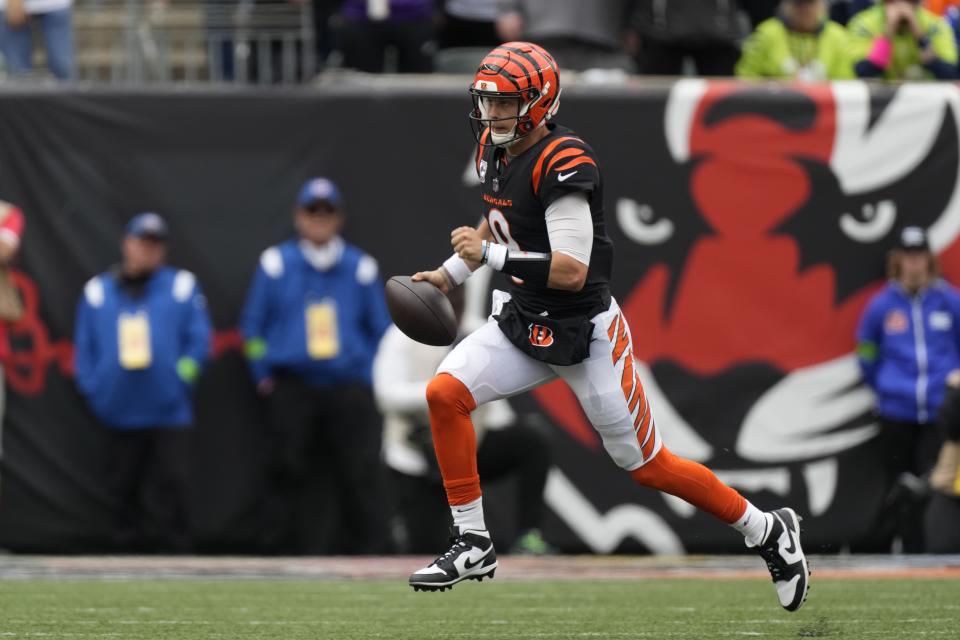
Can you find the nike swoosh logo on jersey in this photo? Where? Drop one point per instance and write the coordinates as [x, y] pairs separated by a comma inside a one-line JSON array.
[[561, 177]]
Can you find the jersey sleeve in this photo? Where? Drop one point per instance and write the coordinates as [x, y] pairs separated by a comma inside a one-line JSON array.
[[564, 166]]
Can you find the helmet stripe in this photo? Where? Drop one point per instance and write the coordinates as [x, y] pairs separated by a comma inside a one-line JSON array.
[[496, 68], [525, 63], [524, 72], [520, 72], [533, 62]]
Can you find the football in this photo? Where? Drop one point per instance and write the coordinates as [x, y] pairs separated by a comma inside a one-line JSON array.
[[421, 311]]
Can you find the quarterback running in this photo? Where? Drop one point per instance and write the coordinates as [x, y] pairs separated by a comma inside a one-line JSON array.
[[543, 226]]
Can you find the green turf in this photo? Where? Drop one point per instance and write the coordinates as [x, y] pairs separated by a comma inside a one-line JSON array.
[[506, 609]]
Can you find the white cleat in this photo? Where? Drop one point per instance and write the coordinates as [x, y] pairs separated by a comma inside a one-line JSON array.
[[785, 560], [470, 557]]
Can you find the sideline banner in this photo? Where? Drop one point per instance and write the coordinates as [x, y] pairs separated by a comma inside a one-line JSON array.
[[750, 224]]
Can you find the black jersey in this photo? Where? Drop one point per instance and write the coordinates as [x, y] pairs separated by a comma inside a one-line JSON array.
[[516, 192]]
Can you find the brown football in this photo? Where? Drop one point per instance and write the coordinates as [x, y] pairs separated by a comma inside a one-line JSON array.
[[421, 311]]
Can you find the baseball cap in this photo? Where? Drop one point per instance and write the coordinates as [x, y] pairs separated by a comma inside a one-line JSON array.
[[319, 190], [148, 225], [913, 239]]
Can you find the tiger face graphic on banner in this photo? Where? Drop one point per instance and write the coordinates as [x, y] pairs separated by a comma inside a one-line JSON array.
[[763, 220]]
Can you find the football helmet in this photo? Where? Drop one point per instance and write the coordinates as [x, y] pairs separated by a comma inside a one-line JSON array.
[[520, 70]]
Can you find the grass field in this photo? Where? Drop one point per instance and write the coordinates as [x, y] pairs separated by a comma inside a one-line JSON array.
[[664, 608]]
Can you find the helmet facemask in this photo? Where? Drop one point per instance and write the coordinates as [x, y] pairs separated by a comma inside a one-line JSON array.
[[522, 123]]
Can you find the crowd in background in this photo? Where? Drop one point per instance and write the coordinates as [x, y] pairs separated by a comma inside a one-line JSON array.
[[787, 39]]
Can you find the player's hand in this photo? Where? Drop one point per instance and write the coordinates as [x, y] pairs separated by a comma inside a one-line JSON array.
[[436, 277], [467, 243]]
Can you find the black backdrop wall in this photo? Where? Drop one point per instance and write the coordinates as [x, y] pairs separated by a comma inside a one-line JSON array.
[[750, 226]]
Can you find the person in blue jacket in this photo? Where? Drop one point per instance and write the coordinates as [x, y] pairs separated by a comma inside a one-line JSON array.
[[312, 322], [142, 336], [908, 343]]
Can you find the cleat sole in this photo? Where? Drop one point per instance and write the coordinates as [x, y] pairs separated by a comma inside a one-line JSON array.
[[444, 587]]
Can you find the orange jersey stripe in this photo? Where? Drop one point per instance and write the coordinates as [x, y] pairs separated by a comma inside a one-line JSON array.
[[480, 147], [575, 162], [560, 155], [538, 168]]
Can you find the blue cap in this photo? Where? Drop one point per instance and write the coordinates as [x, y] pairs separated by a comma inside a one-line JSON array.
[[148, 225], [319, 190]]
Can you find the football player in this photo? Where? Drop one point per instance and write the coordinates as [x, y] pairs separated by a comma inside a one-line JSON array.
[[543, 226]]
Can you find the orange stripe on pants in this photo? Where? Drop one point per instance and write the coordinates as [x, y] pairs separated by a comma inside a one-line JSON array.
[[454, 439]]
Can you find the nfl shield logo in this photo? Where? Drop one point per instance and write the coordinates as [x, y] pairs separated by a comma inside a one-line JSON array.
[[496, 185], [483, 171]]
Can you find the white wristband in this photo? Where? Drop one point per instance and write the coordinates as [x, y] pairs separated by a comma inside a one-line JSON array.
[[457, 269], [495, 255]]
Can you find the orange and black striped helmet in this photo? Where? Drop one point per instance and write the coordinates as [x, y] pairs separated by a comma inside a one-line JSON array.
[[515, 70]]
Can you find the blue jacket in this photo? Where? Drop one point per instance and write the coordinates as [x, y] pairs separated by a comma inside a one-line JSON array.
[[287, 288], [907, 346], [155, 393]]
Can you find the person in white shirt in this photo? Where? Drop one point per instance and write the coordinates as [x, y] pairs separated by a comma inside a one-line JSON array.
[[53, 19], [506, 446]]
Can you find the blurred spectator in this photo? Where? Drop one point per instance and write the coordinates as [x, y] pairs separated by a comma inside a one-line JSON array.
[[506, 447], [11, 308], [908, 343], [900, 40], [368, 28], [942, 521], [950, 11], [580, 35], [52, 18], [142, 335], [469, 23], [842, 10], [313, 318], [759, 10], [706, 32], [940, 7], [801, 43]]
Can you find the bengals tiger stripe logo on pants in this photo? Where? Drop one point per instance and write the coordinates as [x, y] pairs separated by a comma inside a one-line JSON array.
[[540, 336]]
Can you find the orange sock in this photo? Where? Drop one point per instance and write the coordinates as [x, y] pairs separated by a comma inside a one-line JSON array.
[[694, 483], [453, 437]]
